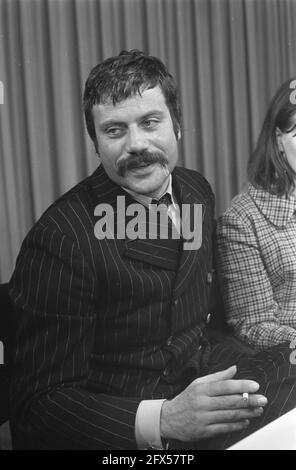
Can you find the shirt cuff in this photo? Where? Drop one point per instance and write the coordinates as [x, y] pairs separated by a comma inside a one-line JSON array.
[[147, 428]]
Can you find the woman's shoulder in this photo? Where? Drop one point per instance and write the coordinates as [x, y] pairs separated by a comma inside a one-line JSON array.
[[242, 218], [260, 207], [242, 205]]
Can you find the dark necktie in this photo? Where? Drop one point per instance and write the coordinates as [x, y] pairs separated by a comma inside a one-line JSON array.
[[166, 199]]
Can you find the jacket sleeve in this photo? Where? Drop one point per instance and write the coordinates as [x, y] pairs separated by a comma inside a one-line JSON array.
[[247, 292], [52, 290]]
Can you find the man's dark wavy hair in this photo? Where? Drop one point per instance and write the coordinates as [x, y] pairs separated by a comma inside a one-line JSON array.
[[123, 76], [268, 168]]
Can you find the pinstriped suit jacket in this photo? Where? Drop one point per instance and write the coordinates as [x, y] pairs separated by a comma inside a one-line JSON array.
[[103, 324]]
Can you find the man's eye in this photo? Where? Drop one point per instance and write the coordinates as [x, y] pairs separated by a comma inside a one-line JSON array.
[[150, 123], [114, 131]]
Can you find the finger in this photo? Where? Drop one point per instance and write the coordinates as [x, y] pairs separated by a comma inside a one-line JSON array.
[[232, 387], [228, 402], [216, 429], [221, 375], [230, 416]]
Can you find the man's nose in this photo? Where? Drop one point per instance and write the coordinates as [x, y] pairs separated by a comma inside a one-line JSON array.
[[136, 140]]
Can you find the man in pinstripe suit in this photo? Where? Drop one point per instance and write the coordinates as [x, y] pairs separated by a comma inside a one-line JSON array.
[[111, 350]]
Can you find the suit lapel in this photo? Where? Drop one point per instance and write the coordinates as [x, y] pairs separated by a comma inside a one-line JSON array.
[[160, 253], [187, 193]]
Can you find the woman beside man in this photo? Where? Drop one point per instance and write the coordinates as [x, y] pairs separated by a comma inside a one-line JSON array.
[[256, 236]]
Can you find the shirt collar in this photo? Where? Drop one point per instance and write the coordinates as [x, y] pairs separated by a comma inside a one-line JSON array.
[[146, 200], [277, 209]]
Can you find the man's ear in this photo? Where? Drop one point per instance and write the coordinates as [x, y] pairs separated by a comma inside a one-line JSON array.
[[279, 139]]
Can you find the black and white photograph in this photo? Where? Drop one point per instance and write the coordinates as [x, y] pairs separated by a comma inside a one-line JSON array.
[[147, 227]]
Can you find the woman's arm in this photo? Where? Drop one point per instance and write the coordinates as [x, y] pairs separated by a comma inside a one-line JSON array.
[[246, 288]]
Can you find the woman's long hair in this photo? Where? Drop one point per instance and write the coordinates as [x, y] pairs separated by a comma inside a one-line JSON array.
[[268, 168]]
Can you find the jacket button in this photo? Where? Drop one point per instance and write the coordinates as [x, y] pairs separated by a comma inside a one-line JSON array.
[[169, 341], [165, 372], [209, 278], [209, 315]]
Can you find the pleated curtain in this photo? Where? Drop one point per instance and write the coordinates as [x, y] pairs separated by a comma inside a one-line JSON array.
[[228, 58]]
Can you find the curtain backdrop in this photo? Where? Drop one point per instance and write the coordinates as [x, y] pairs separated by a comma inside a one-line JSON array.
[[228, 57]]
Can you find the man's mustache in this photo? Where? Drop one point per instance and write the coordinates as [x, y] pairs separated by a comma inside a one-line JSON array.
[[136, 160]]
